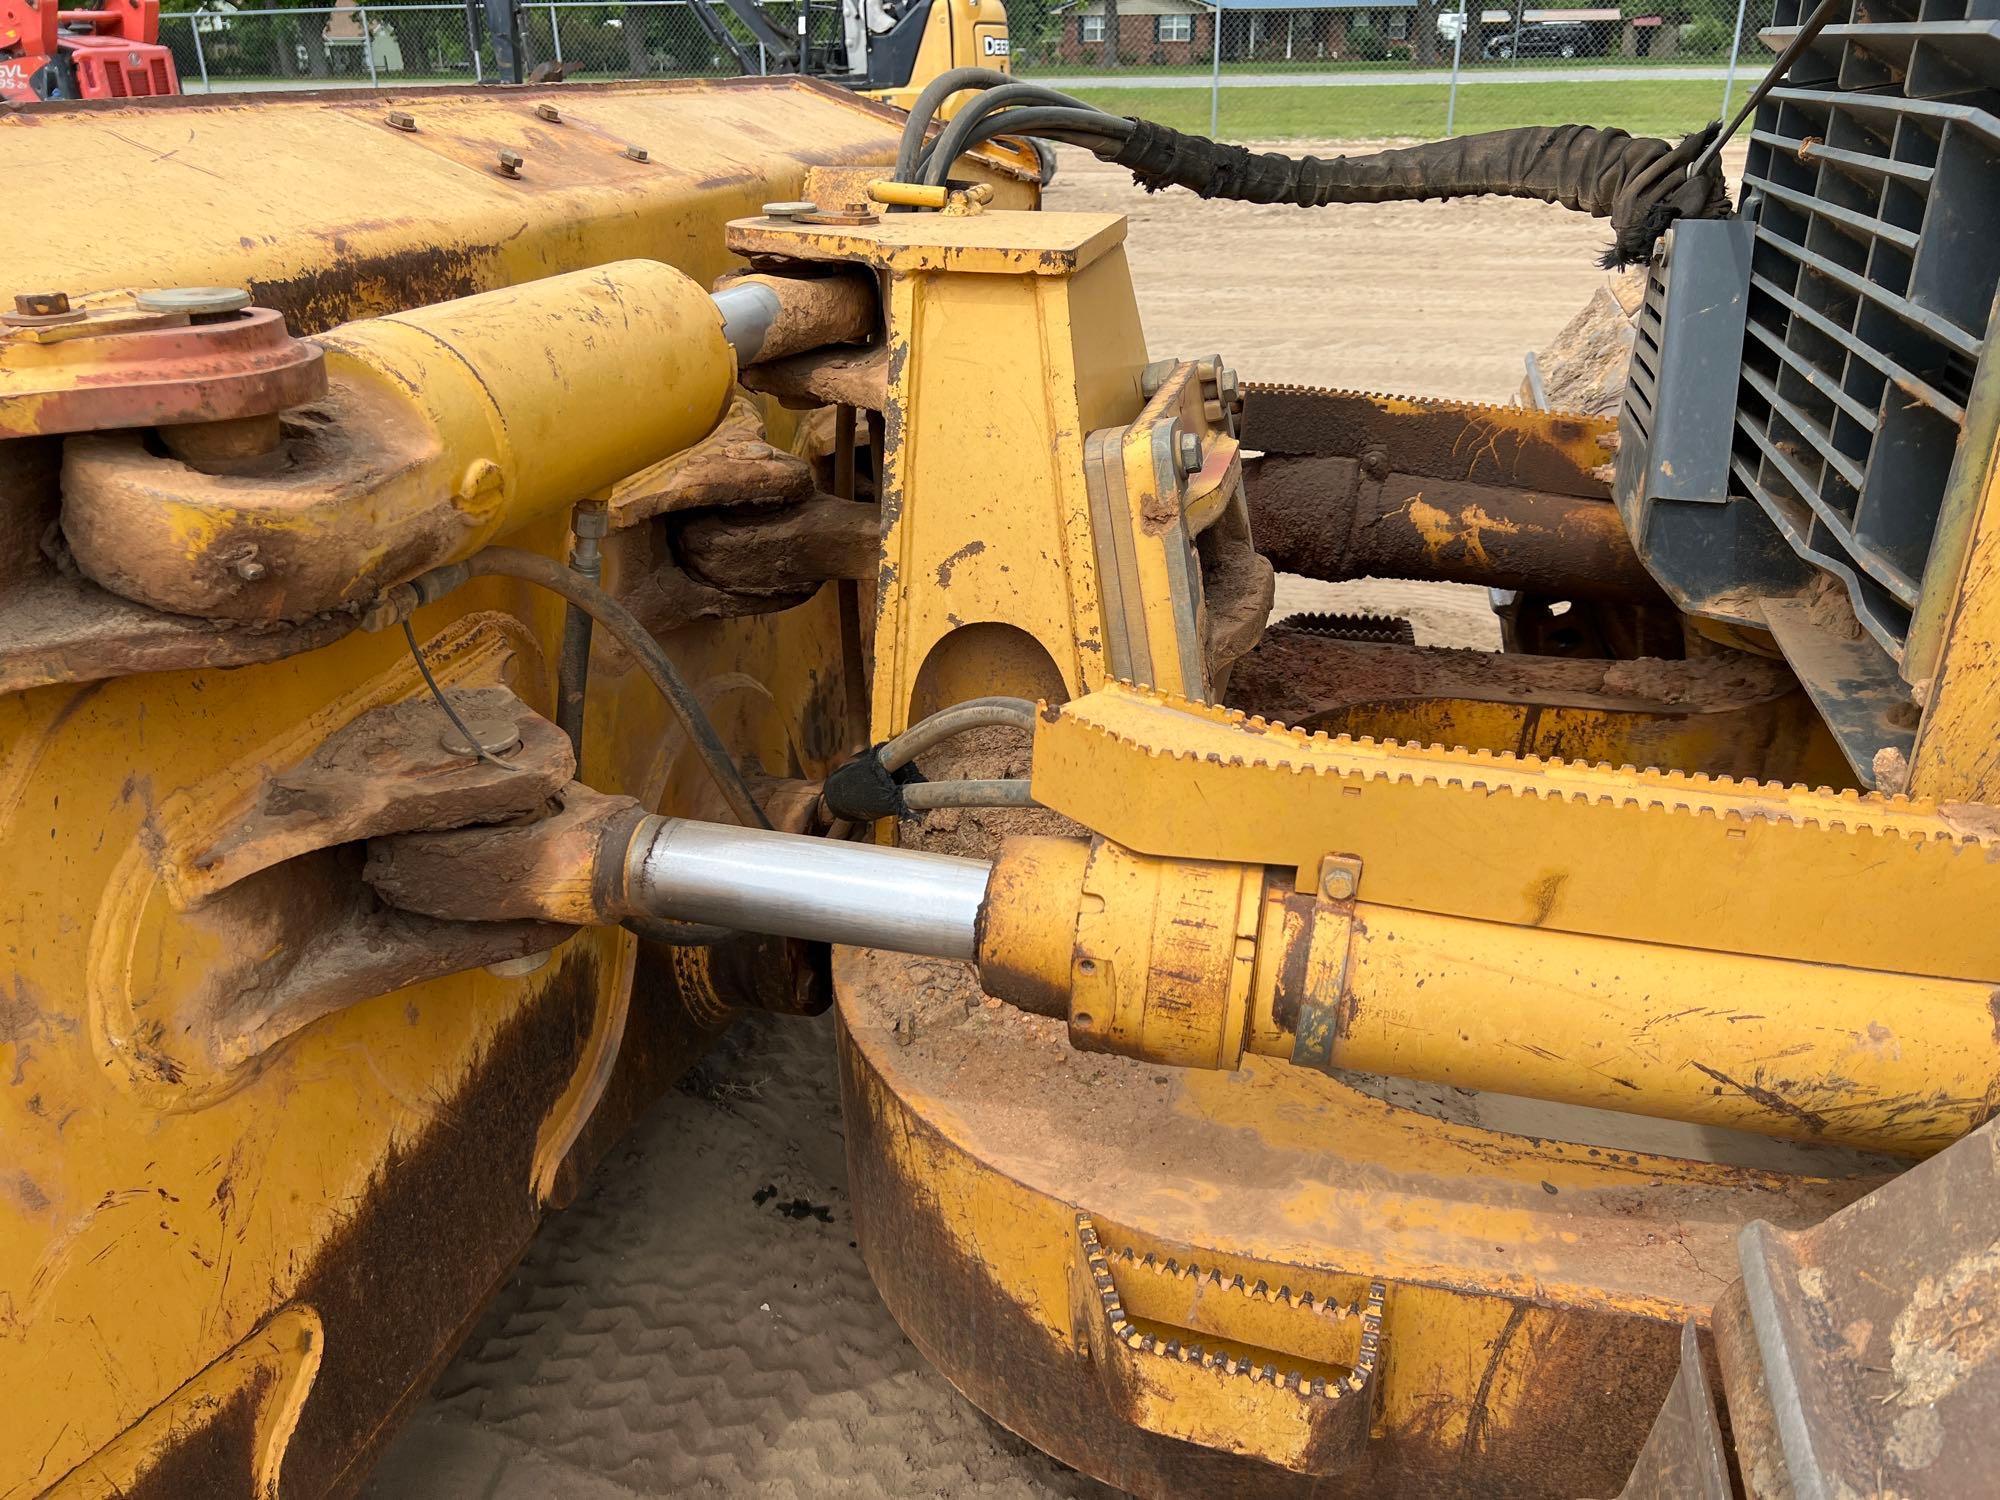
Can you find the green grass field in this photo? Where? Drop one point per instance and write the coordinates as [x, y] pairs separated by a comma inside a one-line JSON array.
[[1668, 108]]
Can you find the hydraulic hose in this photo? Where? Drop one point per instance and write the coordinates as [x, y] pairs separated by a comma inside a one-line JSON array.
[[1641, 184], [939, 89], [974, 713], [622, 625], [934, 166], [1602, 172]]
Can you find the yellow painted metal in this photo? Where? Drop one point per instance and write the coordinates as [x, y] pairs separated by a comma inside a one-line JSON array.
[[1535, 1288], [1957, 754], [324, 211], [1146, 511], [988, 581], [1807, 1051], [1191, 963], [958, 34], [167, 1245], [443, 428], [1164, 958], [1656, 856], [908, 194]]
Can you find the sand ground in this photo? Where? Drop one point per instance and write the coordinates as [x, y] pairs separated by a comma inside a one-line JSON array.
[[674, 1333]]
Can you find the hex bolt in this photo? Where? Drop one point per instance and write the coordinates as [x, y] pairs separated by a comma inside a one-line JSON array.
[[789, 210], [1375, 463], [1187, 447], [549, 112], [249, 569], [1339, 884], [1228, 389], [637, 153], [400, 119], [509, 164], [41, 304]]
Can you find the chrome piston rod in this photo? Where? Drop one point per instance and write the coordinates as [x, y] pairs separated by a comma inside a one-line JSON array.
[[791, 885]]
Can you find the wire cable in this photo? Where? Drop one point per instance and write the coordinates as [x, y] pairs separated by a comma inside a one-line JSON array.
[[444, 703], [626, 629]]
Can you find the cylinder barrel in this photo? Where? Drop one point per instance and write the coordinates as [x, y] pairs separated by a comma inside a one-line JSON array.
[[1329, 518], [1810, 1052]]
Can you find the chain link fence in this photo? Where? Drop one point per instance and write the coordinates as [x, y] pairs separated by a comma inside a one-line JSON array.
[[1076, 37], [1417, 54], [362, 45]]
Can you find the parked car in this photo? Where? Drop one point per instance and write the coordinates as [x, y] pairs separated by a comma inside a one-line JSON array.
[[1549, 39]]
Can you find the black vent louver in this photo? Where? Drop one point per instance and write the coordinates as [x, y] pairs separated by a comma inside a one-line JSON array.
[[1834, 512]]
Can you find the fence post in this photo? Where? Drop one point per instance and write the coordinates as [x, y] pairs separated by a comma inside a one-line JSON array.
[[367, 46], [472, 40], [1215, 70], [555, 30], [1457, 51], [1735, 49], [200, 57]]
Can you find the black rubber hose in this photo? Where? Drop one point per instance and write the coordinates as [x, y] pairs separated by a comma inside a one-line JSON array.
[[1089, 128], [939, 89], [624, 626], [951, 141], [1637, 182]]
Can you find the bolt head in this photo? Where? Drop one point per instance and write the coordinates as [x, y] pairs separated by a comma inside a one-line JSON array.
[[549, 112], [249, 570], [41, 304], [400, 119], [1339, 884], [510, 164], [1188, 450], [637, 153], [1228, 389], [495, 737]]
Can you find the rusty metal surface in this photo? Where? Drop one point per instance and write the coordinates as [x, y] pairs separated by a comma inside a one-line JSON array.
[[736, 464], [56, 628], [781, 550], [1685, 1457], [76, 378], [385, 219], [389, 771], [846, 377], [1335, 518], [1529, 1367], [567, 866], [1878, 1333], [1554, 451], [1726, 715]]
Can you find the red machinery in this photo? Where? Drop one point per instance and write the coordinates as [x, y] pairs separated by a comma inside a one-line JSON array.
[[114, 53]]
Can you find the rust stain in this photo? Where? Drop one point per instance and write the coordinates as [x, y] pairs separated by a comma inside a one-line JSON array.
[[1545, 894], [944, 569]]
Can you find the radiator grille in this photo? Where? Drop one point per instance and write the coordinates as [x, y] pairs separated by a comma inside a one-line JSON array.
[[1874, 182]]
